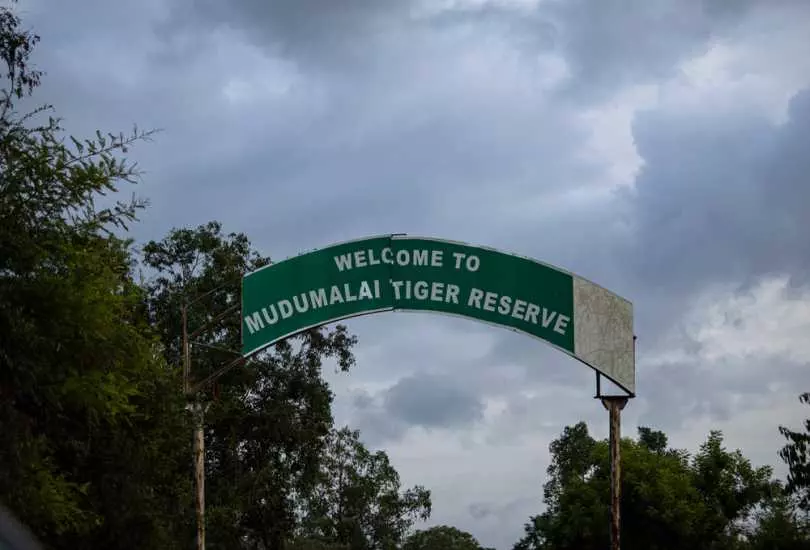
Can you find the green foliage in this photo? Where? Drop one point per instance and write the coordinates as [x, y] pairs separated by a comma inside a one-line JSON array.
[[669, 500], [796, 454], [95, 442], [653, 440], [441, 537], [16, 46], [266, 427], [277, 469], [78, 363], [357, 499], [201, 266], [780, 527], [729, 486], [302, 543]]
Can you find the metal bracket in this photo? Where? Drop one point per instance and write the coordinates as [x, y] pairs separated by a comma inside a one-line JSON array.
[[600, 395]]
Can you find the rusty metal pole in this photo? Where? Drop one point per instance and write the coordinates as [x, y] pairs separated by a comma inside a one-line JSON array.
[[614, 405]]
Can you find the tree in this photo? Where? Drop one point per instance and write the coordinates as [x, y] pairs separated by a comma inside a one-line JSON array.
[[796, 454], [779, 526], [669, 500], [82, 385], [277, 470], [441, 537], [94, 440], [357, 500], [729, 486], [653, 440], [269, 420]]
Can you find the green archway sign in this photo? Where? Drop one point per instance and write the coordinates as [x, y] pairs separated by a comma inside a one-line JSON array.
[[403, 273]]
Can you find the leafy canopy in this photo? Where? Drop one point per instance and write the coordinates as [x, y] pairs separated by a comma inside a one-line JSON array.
[[796, 454], [669, 499]]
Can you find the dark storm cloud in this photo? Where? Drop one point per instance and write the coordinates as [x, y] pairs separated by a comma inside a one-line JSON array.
[[446, 172], [375, 425], [432, 401], [429, 401], [445, 164], [428, 165], [605, 45], [502, 512], [320, 34], [609, 45], [412, 145], [721, 197]]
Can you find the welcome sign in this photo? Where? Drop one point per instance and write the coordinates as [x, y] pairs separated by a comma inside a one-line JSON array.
[[398, 272]]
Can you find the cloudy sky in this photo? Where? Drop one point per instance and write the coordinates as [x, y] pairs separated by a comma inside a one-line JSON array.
[[658, 147]]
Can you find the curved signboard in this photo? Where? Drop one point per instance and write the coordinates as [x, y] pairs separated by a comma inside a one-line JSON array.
[[399, 272]]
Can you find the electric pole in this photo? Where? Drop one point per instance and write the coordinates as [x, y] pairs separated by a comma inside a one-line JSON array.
[[196, 406]]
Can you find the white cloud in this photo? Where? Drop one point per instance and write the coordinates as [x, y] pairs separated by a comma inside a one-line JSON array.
[[610, 141], [756, 68], [770, 319], [259, 79], [431, 8]]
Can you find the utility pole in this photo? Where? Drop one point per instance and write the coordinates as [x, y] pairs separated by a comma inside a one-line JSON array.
[[198, 408]]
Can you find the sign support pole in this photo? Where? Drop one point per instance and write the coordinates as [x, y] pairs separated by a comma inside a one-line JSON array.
[[614, 405]]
